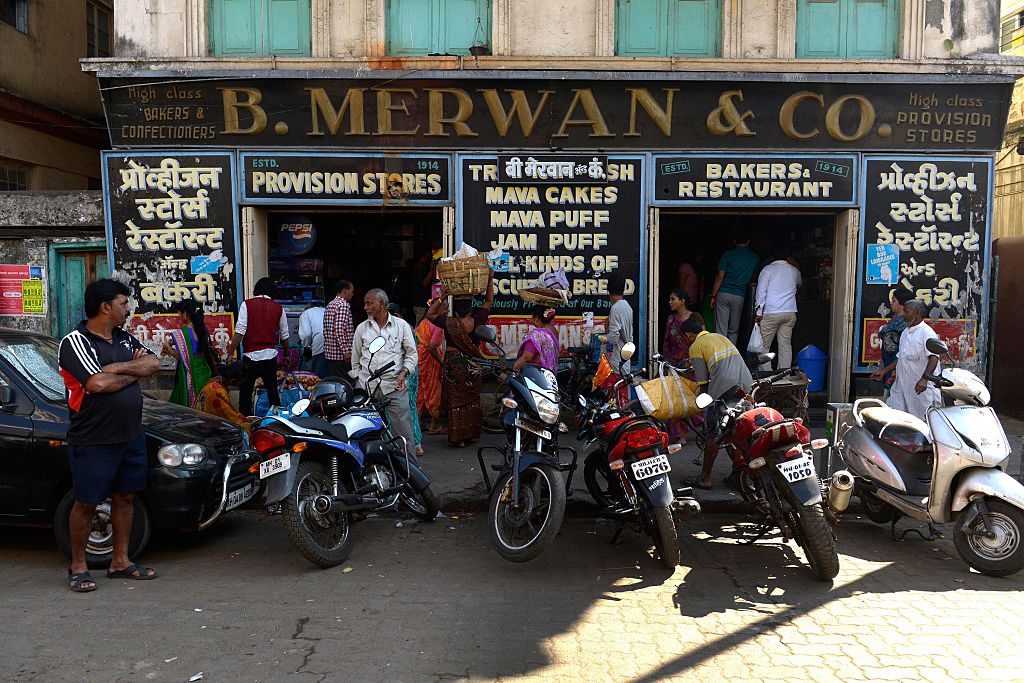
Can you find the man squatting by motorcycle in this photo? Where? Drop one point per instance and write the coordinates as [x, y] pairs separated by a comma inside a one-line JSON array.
[[718, 364]]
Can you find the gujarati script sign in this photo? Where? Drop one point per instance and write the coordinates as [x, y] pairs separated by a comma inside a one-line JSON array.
[[934, 211]]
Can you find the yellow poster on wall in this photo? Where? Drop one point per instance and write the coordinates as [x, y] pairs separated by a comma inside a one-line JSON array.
[[33, 300]]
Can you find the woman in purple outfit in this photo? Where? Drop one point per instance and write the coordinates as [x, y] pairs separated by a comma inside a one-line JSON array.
[[541, 344]]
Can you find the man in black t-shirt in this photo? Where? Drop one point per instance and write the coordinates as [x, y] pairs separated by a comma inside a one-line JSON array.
[[101, 365]]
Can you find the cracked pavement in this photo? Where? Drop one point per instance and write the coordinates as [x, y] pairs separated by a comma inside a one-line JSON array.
[[434, 602]]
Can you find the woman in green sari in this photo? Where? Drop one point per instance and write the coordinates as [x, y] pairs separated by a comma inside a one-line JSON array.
[[191, 347]]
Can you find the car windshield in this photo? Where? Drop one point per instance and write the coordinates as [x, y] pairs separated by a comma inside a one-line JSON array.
[[35, 359]]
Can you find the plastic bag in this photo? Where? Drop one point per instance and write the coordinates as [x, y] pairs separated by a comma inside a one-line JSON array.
[[756, 343], [669, 397]]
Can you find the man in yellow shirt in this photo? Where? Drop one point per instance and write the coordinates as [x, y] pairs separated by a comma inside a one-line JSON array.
[[719, 368]]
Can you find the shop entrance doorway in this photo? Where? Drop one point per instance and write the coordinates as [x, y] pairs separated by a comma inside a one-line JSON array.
[[690, 246], [309, 252]]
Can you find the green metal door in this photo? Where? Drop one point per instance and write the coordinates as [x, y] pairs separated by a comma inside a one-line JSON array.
[[668, 28], [697, 28], [640, 28], [847, 29], [74, 271], [253, 28]]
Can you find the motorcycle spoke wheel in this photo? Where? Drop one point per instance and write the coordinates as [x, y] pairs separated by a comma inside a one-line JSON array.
[[521, 531], [323, 538]]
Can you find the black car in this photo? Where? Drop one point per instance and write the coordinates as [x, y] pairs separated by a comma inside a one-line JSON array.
[[198, 464]]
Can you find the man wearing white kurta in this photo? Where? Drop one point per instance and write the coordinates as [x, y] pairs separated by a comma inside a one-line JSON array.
[[911, 392]]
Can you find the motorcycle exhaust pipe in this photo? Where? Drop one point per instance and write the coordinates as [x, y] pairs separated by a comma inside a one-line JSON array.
[[343, 503], [840, 491]]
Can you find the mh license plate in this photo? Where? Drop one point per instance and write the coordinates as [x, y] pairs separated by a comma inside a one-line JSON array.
[[797, 470], [275, 465], [651, 467], [533, 429], [239, 496]]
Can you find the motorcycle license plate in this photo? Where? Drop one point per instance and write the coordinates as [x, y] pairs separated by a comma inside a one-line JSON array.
[[533, 429], [239, 496], [797, 470], [275, 465], [651, 467]]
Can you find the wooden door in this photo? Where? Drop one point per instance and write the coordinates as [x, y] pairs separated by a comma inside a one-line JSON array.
[[75, 271]]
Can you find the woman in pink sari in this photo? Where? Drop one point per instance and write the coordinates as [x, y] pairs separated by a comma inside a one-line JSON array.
[[541, 344]]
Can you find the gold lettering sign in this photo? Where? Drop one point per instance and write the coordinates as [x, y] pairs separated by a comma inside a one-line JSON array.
[[320, 103], [251, 104], [734, 121]]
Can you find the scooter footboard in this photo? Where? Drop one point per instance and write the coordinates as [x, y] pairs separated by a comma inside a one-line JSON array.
[[988, 481]]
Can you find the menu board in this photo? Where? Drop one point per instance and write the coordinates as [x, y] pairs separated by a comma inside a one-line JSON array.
[[580, 213], [935, 211]]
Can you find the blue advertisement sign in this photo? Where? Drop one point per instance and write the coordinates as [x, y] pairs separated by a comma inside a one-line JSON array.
[[883, 264]]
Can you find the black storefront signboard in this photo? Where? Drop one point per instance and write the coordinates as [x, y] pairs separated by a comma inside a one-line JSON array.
[[591, 230], [171, 228], [275, 177], [925, 228], [764, 180], [505, 111]]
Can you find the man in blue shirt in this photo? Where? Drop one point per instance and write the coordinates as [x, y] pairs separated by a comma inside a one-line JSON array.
[[735, 271]]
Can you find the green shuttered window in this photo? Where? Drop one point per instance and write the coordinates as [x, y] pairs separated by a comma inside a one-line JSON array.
[[847, 29], [668, 28], [257, 28], [423, 27]]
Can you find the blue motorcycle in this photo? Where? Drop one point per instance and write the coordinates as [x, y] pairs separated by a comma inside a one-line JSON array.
[[340, 461]]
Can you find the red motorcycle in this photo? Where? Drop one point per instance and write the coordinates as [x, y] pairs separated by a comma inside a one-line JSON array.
[[780, 477], [628, 473]]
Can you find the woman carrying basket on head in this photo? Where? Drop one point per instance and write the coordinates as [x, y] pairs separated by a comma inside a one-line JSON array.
[[462, 378], [191, 347]]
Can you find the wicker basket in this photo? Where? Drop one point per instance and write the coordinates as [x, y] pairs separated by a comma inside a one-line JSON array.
[[463, 276], [542, 296]]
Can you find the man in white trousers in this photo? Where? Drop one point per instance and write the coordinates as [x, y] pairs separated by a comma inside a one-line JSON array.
[[775, 305]]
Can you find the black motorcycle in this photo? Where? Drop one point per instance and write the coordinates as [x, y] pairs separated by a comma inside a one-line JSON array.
[[527, 501], [342, 459]]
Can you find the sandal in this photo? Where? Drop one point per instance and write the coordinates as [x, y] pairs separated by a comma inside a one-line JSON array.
[[695, 482], [134, 572], [78, 582]]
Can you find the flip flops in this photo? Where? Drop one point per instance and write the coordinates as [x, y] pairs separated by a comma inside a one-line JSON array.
[[133, 572], [78, 582], [694, 482]]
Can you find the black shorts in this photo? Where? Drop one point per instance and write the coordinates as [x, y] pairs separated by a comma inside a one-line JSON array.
[[98, 471]]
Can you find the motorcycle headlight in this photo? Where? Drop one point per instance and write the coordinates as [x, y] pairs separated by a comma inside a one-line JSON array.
[[181, 454], [548, 410]]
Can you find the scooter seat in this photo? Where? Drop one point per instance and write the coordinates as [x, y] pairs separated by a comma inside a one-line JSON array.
[[321, 425], [902, 430]]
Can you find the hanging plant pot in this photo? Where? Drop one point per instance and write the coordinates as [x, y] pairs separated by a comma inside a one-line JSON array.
[[479, 50]]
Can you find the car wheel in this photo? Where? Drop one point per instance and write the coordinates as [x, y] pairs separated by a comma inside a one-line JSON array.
[[100, 545]]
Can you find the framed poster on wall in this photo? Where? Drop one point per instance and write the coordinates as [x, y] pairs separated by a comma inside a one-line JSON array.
[[925, 227]]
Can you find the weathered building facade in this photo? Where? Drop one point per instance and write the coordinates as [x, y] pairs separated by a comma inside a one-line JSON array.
[[314, 140], [51, 134]]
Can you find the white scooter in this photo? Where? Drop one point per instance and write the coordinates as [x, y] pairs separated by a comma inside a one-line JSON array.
[[953, 467]]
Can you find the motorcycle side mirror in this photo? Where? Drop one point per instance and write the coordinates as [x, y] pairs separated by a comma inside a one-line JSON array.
[[704, 400], [376, 345], [936, 347], [300, 406], [628, 350], [765, 357], [486, 333]]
